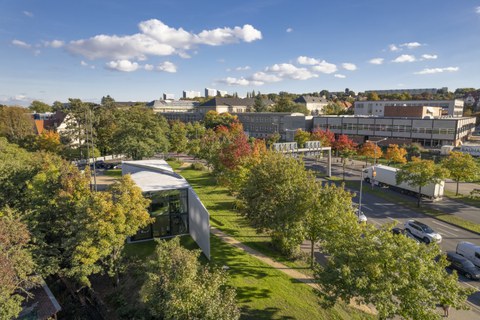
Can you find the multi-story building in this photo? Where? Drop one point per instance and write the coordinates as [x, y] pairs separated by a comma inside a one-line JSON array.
[[314, 104], [161, 106], [409, 91], [191, 94], [222, 93], [453, 108], [210, 92], [428, 132], [168, 96]]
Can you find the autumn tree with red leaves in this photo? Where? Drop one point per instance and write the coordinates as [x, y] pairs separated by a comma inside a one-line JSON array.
[[345, 148]]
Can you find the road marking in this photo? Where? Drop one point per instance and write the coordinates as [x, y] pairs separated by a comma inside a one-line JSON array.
[[444, 225], [364, 206], [443, 231], [384, 204]]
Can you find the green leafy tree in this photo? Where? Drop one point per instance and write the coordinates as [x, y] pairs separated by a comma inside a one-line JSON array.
[[273, 138], [49, 141], [275, 199], [213, 119], [178, 137], [109, 220], [259, 104], [179, 287], [106, 124], [420, 173], [301, 137], [372, 96], [16, 264], [16, 123], [393, 273], [333, 109], [330, 211], [39, 107], [462, 167], [140, 133]]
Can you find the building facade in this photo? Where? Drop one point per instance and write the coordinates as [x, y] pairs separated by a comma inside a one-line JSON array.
[[409, 91], [427, 132], [191, 94], [453, 108], [176, 208], [314, 104]]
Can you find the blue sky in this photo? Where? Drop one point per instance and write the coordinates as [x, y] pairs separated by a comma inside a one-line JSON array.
[[137, 50]]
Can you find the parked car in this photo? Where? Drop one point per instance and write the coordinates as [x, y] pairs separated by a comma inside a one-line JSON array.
[[406, 234], [422, 231], [463, 266], [469, 251]]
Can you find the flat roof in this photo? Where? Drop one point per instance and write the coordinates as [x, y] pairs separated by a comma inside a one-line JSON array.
[[154, 175]]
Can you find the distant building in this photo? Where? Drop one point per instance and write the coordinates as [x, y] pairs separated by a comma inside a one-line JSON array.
[[222, 93], [161, 106], [409, 91], [168, 96], [191, 94], [412, 112], [210, 92], [428, 132], [314, 104], [453, 108]]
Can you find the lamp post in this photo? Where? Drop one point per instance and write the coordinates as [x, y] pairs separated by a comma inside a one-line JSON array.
[[360, 197], [375, 149]]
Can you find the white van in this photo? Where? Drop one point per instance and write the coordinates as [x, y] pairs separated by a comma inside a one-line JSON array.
[[469, 251]]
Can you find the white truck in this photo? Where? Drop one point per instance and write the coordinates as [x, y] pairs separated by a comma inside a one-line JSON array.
[[385, 176]]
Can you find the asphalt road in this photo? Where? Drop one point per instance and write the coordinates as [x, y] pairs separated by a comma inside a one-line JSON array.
[[379, 212]]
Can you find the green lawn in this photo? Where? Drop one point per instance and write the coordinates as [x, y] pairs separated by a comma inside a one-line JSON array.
[[117, 173], [263, 292], [463, 198]]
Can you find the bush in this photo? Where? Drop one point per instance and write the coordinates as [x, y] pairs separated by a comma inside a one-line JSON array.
[[197, 166], [475, 194]]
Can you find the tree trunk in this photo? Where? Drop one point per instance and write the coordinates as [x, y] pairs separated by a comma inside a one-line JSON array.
[[344, 163], [419, 196], [312, 253], [458, 182]]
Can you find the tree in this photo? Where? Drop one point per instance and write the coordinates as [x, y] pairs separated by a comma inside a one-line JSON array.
[[178, 137], [39, 107], [213, 119], [345, 148], [370, 150], [16, 264], [462, 167], [301, 137], [392, 272], [179, 287], [372, 96], [109, 220], [333, 109], [108, 101], [140, 133], [330, 210], [275, 199], [259, 104], [396, 154], [413, 149], [420, 173], [327, 137], [16, 123], [273, 138], [49, 141]]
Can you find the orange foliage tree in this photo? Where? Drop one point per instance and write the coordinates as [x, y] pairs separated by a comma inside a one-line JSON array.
[[370, 150], [396, 154]]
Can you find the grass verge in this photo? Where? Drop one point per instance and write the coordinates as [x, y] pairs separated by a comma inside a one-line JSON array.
[[463, 198], [116, 173]]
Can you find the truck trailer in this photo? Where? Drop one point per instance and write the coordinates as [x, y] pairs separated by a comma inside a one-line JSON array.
[[385, 176]]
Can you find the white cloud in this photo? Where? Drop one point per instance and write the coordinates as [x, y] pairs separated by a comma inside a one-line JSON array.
[[158, 39], [242, 68], [54, 43], [393, 48], [477, 10], [429, 56], [307, 61], [325, 67], [287, 70], [341, 76], [289, 30], [264, 77], [437, 70], [122, 65], [167, 66], [349, 66], [83, 64], [376, 61], [236, 81], [28, 14], [411, 45], [21, 44], [149, 67], [404, 58]]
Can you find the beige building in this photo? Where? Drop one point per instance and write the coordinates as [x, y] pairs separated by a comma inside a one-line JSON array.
[[453, 108], [427, 132], [314, 104]]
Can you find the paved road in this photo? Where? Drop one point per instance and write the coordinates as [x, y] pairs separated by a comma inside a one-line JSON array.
[[380, 211]]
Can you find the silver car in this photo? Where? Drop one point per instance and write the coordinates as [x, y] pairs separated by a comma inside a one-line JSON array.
[[422, 231]]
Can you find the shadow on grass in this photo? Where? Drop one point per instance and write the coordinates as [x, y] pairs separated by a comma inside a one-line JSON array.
[[267, 313]]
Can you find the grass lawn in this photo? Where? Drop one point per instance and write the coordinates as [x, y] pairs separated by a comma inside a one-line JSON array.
[[117, 173], [263, 292], [458, 221], [463, 198]]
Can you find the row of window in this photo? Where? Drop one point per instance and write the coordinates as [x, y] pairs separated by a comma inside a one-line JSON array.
[[387, 128]]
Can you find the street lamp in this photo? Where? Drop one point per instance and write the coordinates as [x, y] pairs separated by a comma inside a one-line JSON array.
[[360, 197]]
